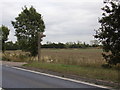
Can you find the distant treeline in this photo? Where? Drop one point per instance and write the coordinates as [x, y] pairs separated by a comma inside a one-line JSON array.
[[66, 45], [15, 46]]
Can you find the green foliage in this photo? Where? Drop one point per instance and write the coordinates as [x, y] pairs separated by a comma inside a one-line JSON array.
[[66, 45], [15, 46], [12, 46], [27, 25], [4, 36], [109, 32]]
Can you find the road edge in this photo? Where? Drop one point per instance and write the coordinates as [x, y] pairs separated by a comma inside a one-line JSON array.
[[64, 78]]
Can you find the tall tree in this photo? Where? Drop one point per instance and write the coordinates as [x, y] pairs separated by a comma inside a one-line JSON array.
[[109, 32], [4, 35], [27, 25]]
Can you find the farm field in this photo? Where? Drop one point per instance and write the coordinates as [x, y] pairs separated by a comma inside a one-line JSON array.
[[82, 57]]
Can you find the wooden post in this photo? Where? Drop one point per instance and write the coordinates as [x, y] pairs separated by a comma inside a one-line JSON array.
[[39, 46]]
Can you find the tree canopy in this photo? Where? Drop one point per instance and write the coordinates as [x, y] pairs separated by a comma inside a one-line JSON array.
[[109, 32], [27, 25], [5, 32]]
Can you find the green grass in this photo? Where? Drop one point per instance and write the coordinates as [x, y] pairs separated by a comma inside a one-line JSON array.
[[89, 72]]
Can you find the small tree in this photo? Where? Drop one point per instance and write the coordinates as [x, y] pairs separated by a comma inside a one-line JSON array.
[[109, 32], [4, 36], [27, 25]]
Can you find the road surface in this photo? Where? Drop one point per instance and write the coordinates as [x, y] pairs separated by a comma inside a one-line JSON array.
[[17, 78]]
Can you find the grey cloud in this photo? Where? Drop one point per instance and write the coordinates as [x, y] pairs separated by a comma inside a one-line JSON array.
[[65, 20]]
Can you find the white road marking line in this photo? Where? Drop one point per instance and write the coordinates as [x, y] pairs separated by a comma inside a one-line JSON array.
[[0, 88], [100, 86]]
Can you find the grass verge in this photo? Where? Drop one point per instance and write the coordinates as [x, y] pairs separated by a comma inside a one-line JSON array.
[[89, 72]]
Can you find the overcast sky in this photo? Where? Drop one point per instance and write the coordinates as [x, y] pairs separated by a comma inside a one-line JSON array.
[[65, 20]]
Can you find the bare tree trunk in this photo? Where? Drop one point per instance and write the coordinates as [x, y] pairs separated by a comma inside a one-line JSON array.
[[39, 47]]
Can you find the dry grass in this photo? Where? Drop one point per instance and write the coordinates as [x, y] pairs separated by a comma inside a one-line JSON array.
[[82, 57], [0, 55], [16, 56]]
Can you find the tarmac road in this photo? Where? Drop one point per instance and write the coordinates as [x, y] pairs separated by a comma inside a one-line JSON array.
[[18, 78]]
